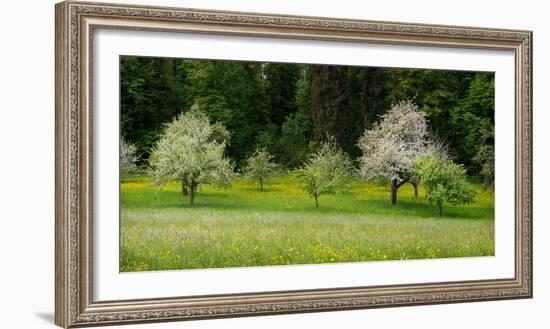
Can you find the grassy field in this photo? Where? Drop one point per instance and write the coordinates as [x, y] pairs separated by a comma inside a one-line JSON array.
[[242, 226]]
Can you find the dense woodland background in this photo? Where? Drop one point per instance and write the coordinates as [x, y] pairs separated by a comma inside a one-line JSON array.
[[289, 108]]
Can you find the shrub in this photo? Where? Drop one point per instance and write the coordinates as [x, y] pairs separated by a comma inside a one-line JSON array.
[[444, 181]]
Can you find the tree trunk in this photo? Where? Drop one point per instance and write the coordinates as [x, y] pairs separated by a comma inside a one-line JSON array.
[[261, 184], [330, 105], [440, 210], [192, 191], [351, 97], [394, 187], [316, 202], [184, 190], [415, 185], [393, 200]]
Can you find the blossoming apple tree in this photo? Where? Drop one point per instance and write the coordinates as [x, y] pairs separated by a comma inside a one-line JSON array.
[[391, 146], [191, 150]]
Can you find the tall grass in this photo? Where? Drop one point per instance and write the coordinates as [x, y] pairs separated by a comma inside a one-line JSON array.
[[243, 226]]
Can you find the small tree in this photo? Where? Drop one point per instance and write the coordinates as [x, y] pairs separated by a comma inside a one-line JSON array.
[[191, 150], [260, 166], [391, 146], [444, 181], [326, 171], [128, 157]]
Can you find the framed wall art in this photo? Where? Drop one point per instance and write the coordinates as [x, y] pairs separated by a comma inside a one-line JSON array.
[[217, 164]]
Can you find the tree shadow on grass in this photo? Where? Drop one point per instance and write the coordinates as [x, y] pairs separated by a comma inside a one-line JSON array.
[[254, 186], [403, 209], [408, 207], [346, 203]]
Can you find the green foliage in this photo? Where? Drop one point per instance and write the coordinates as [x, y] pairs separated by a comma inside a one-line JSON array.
[[260, 166], [267, 138], [485, 158], [233, 93], [241, 227], [459, 105], [445, 182], [281, 87], [472, 119], [435, 91], [191, 150], [293, 146], [216, 107], [150, 95], [302, 96], [326, 171], [278, 106]]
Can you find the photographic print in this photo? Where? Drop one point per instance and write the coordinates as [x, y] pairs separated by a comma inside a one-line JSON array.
[[214, 164], [239, 164]]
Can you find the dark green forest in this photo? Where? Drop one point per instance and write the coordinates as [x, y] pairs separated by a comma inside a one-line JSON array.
[[290, 108]]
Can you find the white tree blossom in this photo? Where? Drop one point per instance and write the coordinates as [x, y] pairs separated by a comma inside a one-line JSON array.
[[391, 146], [326, 171], [437, 148], [260, 166], [191, 149], [128, 157]]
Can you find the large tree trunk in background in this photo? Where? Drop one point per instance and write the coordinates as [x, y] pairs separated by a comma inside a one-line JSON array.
[[329, 100], [330, 108], [345, 101]]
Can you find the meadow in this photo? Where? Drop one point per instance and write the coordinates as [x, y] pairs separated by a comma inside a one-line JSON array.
[[242, 226]]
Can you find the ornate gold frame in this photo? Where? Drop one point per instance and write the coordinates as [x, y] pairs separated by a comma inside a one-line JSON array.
[[76, 21]]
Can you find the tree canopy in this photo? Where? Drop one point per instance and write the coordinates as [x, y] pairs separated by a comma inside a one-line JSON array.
[[289, 109], [393, 144], [445, 181], [260, 166], [191, 150], [326, 171]]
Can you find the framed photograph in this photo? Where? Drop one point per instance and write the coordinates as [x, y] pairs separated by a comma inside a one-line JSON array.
[[219, 164]]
